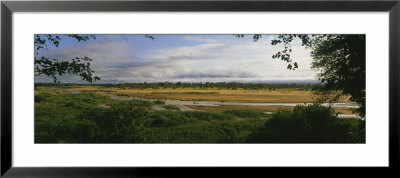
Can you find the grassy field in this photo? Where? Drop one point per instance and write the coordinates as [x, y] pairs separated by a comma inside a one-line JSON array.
[[87, 114], [285, 95], [191, 94]]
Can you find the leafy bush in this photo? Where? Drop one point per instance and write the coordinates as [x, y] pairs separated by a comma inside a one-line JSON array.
[[230, 133], [215, 131], [159, 102], [307, 124], [42, 97], [80, 101], [122, 123], [141, 103], [71, 131], [159, 121], [72, 104], [171, 107], [246, 113], [207, 116], [169, 119]]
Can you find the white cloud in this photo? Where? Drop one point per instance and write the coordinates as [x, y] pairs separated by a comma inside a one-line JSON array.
[[213, 61], [199, 39]]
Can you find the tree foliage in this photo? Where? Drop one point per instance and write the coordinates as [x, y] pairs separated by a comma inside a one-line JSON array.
[[339, 60], [310, 124], [54, 67], [123, 122]]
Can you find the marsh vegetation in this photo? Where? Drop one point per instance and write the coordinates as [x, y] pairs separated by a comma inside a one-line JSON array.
[[110, 114]]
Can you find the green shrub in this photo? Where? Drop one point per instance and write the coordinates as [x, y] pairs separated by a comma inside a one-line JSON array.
[[230, 133], [171, 107], [141, 103], [169, 119], [159, 121], [122, 123], [306, 124], [164, 121], [159, 102], [71, 131], [215, 131], [72, 104], [42, 97], [246, 113], [81, 101], [208, 116]]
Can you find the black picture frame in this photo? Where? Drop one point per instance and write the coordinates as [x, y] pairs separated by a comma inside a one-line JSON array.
[[8, 7]]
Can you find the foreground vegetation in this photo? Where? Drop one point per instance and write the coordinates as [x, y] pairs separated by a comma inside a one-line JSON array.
[[87, 117]]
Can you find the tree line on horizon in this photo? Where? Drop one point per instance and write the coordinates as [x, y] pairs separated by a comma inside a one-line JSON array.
[[199, 85]]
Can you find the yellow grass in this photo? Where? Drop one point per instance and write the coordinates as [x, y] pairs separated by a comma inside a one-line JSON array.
[[345, 111], [192, 94], [49, 92], [239, 95]]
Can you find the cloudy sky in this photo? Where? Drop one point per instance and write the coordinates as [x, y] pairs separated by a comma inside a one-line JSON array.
[[181, 58]]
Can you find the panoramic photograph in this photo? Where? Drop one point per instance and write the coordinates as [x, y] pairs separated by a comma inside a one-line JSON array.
[[199, 88]]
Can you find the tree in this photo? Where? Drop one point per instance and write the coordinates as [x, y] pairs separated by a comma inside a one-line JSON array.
[[339, 60], [53, 67]]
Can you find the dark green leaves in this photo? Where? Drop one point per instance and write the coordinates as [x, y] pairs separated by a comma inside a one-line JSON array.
[[284, 55], [239, 35], [55, 67], [41, 41], [340, 60], [82, 37], [275, 42], [149, 37], [285, 40], [289, 66], [256, 37], [58, 67]]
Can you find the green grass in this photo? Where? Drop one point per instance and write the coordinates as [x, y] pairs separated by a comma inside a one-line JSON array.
[[234, 131], [79, 118], [246, 113], [171, 107], [159, 102], [74, 118]]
